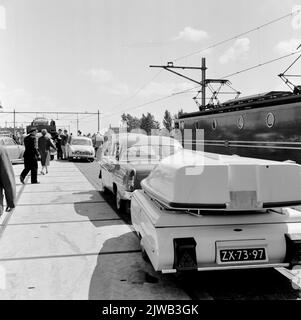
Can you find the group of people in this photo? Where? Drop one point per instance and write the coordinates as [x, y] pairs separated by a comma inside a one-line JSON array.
[[33, 151], [61, 140]]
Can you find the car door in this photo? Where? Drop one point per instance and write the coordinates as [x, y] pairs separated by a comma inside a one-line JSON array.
[[111, 163], [105, 163], [12, 148], [119, 170]]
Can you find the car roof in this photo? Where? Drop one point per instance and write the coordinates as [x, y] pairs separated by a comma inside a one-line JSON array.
[[157, 140], [140, 139], [79, 137]]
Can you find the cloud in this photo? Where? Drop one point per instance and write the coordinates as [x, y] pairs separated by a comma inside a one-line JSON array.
[[146, 44], [157, 89], [296, 20], [119, 89], [237, 51], [2, 18], [193, 35], [99, 75], [289, 46], [107, 81], [22, 100]]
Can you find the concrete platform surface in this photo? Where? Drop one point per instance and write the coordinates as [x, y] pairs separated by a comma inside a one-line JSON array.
[[64, 241]]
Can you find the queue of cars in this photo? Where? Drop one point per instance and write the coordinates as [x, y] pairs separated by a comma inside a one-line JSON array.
[[77, 148], [196, 211]]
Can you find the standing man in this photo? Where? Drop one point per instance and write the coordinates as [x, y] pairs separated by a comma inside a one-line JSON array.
[[7, 181], [31, 156], [58, 143], [65, 139]]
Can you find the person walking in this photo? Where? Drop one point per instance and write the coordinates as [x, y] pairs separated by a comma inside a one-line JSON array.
[[7, 181], [31, 155], [44, 145]]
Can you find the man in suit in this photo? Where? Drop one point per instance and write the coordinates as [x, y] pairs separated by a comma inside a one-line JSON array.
[[31, 155], [7, 181], [58, 142]]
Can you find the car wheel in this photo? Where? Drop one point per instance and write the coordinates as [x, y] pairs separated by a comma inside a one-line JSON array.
[[69, 159], [120, 203], [102, 187], [51, 157], [144, 254]]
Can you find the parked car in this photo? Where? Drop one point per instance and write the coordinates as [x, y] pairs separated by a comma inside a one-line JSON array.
[[80, 148], [127, 159], [216, 212], [15, 151]]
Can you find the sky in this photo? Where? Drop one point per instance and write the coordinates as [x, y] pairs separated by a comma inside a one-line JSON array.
[[90, 55]]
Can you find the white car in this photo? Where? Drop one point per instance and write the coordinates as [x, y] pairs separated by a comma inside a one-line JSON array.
[[127, 159], [80, 148], [15, 151], [213, 212]]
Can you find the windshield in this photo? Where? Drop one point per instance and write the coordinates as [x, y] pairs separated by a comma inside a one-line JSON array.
[[148, 152], [81, 142]]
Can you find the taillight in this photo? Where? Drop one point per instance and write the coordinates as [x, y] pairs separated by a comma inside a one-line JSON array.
[[184, 254], [293, 249], [131, 181]]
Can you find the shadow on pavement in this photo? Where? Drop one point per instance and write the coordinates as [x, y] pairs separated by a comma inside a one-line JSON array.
[[127, 276], [260, 284]]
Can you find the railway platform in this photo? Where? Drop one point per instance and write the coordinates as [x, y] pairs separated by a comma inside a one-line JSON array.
[[65, 241]]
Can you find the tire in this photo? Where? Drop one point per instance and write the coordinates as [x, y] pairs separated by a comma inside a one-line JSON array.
[[51, 157], [102, 187], [144, 254], [120, 203], [70, 159]]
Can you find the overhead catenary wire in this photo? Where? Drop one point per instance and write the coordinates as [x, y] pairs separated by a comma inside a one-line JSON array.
[[238, 35], [199, 51], [195, 87], [151, 102], [138, 90], [261, 64]]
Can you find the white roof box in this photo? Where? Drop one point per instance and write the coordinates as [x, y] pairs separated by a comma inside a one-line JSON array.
[[207, 181]]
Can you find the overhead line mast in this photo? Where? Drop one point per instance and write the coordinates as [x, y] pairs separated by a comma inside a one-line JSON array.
[[203, 83]]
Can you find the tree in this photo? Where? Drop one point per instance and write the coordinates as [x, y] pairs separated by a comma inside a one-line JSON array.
[[148, 123], [167, 120], [180, 113], [131, 122]]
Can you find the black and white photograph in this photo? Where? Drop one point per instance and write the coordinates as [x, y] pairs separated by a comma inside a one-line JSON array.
[[150, 150]]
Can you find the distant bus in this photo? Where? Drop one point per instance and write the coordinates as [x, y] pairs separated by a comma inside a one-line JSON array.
[[42, 123]]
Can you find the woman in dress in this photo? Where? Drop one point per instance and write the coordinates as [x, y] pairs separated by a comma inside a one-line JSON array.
[[44, 145]]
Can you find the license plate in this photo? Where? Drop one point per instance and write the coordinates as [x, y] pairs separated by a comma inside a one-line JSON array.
[[249, 254]]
